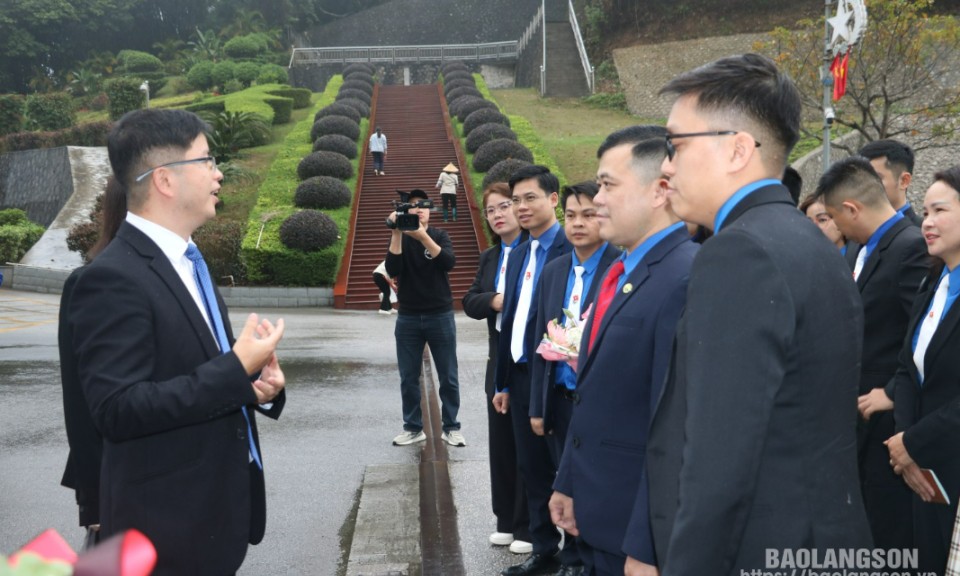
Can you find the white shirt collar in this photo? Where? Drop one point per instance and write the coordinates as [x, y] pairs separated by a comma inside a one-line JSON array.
[[170, 243]]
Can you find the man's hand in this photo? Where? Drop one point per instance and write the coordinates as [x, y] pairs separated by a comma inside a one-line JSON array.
[[271, 381], [561, 513], [899, 458], [875, 400], [496, 302], [257, 343], [501, 402], [915, 480], [635, 567], [536, 424]]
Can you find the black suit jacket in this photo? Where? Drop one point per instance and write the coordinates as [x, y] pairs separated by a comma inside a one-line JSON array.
[[753, 443], [929, 414], [549, 298], [913, 217], [176, 462], [515, 268], [476, 304], [82, 472], [618, 384]]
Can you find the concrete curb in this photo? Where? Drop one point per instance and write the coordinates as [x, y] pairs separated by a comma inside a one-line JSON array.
[[386, 539]]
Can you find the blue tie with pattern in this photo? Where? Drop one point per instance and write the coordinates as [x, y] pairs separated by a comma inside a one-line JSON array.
[[202, 277]]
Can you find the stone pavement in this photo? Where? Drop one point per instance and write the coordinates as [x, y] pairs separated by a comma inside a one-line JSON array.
[[330, 449]]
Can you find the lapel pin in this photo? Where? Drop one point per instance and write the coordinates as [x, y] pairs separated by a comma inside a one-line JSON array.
[[627, 288]]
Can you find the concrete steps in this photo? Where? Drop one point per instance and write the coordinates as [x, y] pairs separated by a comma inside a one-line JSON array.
[[565, 76]]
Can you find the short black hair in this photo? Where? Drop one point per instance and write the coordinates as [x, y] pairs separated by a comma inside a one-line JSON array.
[[547, 181], [633, 135], [587, 188], [141, 132], [794, 182], [899, 156], [851, 178], [749, 85]]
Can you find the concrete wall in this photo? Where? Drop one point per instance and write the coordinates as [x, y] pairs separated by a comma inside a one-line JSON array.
[[528, 67], [38, 182]]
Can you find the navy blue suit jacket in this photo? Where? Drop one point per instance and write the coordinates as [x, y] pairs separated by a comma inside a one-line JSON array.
[[549, 298], [618, 383], [515, 268]]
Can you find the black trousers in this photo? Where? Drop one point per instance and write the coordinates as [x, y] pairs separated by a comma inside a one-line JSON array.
[[886, 497], [384, 287]]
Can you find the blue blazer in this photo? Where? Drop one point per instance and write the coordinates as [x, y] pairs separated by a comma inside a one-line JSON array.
[[515, 268], [550, 293], [618, 383]]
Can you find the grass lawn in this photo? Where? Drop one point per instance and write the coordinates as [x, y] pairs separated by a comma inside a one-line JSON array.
[[570, 129]]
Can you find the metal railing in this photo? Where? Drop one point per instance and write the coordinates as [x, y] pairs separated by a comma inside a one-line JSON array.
[[531, 29], [394, 54], [581, 48]]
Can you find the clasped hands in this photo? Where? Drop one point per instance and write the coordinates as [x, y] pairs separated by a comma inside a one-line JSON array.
[[256, 349], [905, 467]]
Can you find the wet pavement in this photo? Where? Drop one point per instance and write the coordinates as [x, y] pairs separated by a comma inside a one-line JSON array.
[[343, 409]]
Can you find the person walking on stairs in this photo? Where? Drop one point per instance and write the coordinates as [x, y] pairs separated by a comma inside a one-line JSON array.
[[447, 183]]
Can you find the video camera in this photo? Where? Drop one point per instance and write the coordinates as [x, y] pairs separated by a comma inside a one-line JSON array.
[[404, 220]]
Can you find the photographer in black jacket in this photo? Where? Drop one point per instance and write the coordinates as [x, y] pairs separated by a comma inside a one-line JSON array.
[[420, 261]]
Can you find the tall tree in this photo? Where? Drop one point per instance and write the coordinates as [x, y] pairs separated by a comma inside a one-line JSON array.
[[901, 78]]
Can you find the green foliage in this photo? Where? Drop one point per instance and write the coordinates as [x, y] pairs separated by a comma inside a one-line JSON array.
[[232, 85], [219, 240], [301, 96], [323, 192], [223, 72], [133, 61], [49, 111], [11, 113], [268, 260], [232, 131], [325, 163], [309, 231], [497, 150], [247, 73], [88, 134], [282, 109], [215, 106], [200, 75], [243, 47], [272, 74], [31, 564], [125, 95], [17, 234], [608, 100]]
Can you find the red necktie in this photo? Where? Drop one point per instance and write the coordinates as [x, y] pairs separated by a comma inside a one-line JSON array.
[[607, 290]]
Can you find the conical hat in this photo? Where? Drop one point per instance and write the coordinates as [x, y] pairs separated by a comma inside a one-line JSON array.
[[450, 168]]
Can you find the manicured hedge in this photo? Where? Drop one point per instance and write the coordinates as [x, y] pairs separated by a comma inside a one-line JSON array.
[[334, 124], [462, 91], [50, 111], [501, 149], [338, 109], [309, 231], [337, 143], [485, 133], [301, 96], [362, 108], [357, 67], [268, 261], [17, 234], [483, 116], [11, 113], [282, 109], [89, 134]]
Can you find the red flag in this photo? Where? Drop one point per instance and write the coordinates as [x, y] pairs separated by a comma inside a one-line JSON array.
[[839, 71]]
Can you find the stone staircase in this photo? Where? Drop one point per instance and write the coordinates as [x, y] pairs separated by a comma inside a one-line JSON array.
[[565, 76]]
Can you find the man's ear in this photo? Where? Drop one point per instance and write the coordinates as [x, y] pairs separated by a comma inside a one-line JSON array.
[[162, 181], [660, 187], [852, 208], [554, 199], [905, 180], [744, 147]]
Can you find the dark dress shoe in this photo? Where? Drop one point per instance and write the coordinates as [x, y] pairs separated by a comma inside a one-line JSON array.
[[535, 564], [570, 571]]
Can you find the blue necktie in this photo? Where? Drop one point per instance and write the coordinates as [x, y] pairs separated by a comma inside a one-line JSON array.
[[202, 277]]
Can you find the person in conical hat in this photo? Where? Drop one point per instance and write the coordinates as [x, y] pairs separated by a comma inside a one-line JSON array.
[[447, 183]]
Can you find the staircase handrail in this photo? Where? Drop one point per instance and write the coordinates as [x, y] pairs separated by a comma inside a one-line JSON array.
[[531, 30], [508, 50], [581, 48]]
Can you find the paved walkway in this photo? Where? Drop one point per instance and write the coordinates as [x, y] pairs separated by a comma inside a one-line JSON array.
[[343, 409]]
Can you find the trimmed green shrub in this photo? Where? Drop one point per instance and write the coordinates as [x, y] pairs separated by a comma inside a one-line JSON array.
[[474, 102], [13, 217], [361, 76], [219, 240], [335, 125], [322, 193], [272, 74], [487, 132], [89, 134], [125, 95], [325, 163], [223, 72], [481, 117], [362, 109], [231, 86], [502, 171], [11, 113], [133, 61], [448, 67], [242, 47], [215, 106], [449, 86], [338, 109], [18, 235], [282, 109], [232, 131], [457, 75], [357, 67], [500, 149], [469, 107], [300, 96], [358, 85], [336, 143], [82, 237], [247, 73], [309, 231], [200, 75], [49, 111], [462, 91], [356, 94]]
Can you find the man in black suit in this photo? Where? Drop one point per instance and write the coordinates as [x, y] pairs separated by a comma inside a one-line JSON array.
[[534, 192], [168, 387], [598, 491], [893, 162], [890, 265], [753, 443]]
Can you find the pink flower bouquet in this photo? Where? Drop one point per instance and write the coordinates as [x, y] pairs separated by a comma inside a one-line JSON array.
[[562, 341]]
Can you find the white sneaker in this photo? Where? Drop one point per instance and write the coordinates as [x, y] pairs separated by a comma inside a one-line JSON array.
[[385, 312], [408, 437], [501, 539], [454, 438], [521, 547]]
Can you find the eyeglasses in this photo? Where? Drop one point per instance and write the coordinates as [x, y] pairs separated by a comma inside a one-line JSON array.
[[210, 160], [527, 199], [672, 151], [504, 206]]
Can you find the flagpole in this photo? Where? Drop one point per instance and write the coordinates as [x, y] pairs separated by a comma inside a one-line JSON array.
[[827, 77]]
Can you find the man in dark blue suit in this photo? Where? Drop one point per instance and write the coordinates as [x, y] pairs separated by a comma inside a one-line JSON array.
[[567, 283], [535, 193], [598, 491]]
